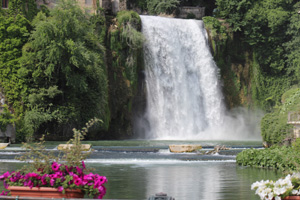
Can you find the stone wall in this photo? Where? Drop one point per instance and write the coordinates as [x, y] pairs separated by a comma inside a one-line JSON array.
[[199, 12], [106, 4], [118, 5], [91, 5], [9, 135], [49, 3]]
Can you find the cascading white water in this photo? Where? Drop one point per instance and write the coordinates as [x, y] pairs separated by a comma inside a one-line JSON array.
[[184, 98]]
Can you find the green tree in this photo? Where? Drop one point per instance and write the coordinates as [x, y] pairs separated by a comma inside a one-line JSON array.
[[64, 71], [14, 33], [293, 45]]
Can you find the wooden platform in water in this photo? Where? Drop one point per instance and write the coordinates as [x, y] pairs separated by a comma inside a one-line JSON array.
[[3, 145], [182, 148]]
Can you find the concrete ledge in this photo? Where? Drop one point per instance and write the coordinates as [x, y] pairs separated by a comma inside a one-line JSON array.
[[84, 147], [181, 148], [3, 145]]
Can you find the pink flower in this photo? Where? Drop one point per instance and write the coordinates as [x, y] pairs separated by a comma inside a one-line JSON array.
[[60, 188], [78, 182], [88, 177], [29, 184], [5, 185], [102, 190], [55, 166], [102, 180], [5, 175], [4, 193], [52, 181], [13, 179], [83, 165], [79, 170], [100, 196]]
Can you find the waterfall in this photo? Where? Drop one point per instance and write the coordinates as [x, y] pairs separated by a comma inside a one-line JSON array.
[[184, 98]]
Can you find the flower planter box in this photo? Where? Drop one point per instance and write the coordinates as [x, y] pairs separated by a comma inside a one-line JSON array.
[[46, 192], [292, 198]]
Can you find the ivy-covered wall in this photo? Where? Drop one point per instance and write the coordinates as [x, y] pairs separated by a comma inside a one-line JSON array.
[[124, 61]]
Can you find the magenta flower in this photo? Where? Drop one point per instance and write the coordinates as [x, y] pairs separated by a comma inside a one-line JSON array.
[[55, 166], [88, 177], [102, 189], [79, 170], [52, 181], [78, 182], [100, 196], [44, 182], [13, 179], [29, 184], [5, 184], [102, 180], [83, 165], [5, 175], [60, 188], [4, 193]]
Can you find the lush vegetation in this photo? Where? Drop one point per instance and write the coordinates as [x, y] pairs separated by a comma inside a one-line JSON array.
[[284, 158], [62, 66], [256, 45], [125, 60], [169, 6], [55, 67]]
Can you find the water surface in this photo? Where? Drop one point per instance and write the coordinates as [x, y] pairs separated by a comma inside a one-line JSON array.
[[139, 169]]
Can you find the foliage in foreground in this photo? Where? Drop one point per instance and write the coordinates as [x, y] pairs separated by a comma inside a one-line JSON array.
[[283, 158]]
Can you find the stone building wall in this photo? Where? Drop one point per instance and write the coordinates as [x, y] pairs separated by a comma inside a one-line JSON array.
[[91, 5], [199, 12], [118, 5]]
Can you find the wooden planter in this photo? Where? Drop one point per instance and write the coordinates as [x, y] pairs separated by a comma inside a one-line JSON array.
[[46, 192], [292, 198]]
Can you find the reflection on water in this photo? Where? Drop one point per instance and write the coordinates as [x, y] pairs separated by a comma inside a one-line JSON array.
[[221, 180], [190, 180]]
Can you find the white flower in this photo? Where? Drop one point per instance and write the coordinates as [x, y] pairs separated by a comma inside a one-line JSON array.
[[269, 190], [279, 190], [294, 192], [296, 175], [277, 198]]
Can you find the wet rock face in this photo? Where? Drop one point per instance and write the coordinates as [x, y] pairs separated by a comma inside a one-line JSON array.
[[9, 135]]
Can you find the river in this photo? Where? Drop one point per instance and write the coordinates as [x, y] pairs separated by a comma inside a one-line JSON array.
[[137, 169]]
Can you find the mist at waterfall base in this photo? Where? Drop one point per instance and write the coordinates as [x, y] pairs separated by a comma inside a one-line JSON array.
[[183, 87]]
